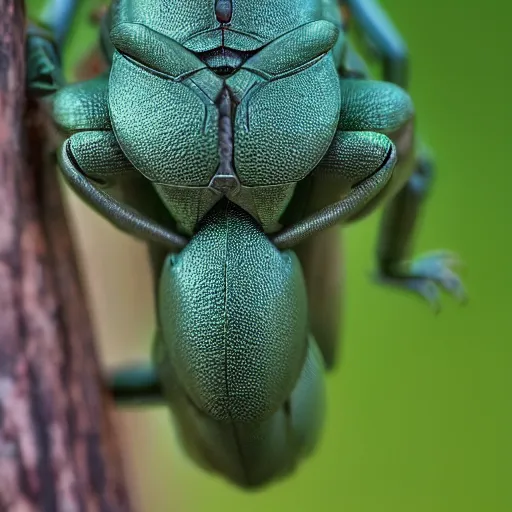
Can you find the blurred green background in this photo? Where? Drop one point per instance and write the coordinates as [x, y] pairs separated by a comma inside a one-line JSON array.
[[419, 410]]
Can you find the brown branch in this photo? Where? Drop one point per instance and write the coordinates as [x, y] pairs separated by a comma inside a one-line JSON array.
[[58, 450]]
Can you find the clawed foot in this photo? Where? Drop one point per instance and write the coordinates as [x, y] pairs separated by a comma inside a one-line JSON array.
[[427, 275]]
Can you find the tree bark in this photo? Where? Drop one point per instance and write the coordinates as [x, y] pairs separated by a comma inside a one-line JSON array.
[[58, 448]]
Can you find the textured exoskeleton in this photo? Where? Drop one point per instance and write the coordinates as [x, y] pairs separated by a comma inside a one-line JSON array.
[[234, 136]]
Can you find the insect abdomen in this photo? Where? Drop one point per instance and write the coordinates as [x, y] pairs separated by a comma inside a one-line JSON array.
[[233, 314], [253, 454], [243, 378]]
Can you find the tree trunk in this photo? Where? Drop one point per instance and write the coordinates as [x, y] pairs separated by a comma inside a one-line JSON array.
[[58, 448]]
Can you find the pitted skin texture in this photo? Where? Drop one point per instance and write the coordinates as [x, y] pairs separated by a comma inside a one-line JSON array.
[[300, 113], [240, 371], [373, 105], [99, 153], [307, 141], [166, 130], [83, 106], [189, 204], [251, 454], [287, 102], [195, 25], [233, 312]]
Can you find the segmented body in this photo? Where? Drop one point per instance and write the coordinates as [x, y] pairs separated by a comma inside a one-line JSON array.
[[241, 117]]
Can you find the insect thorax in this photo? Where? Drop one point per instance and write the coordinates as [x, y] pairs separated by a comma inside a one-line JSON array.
[[205, 110]]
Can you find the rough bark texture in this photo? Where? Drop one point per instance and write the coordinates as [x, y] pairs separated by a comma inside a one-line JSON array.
[[58, 448]]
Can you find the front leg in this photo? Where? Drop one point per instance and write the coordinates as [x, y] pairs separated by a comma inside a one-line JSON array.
[[45, 39], [367, 187], [89, 161], [92, 161]]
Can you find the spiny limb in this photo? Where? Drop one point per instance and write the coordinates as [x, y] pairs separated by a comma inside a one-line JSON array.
[[134, 385], [426, 274], [120, 215]]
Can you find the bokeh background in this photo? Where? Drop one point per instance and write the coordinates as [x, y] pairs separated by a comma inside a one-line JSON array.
[[419, 410]]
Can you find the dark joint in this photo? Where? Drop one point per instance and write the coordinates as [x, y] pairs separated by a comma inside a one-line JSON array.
[[225, 180]]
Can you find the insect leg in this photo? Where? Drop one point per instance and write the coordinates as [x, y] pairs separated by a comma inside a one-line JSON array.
[[383, 38], [399, 222], [321, 256], [89, 161], [384, 108], [83, 106], [136, 384], [58, 17], [44, 73], [321, 259], [366, 106], [426, 274], [45, 38], [340, 211]]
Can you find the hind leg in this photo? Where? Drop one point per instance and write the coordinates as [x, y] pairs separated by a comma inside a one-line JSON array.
[[373, 116], [428, 273], [321, 258], [136, 384]]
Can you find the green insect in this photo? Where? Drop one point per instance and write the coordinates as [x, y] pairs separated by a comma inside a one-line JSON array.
[[235, 137]]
